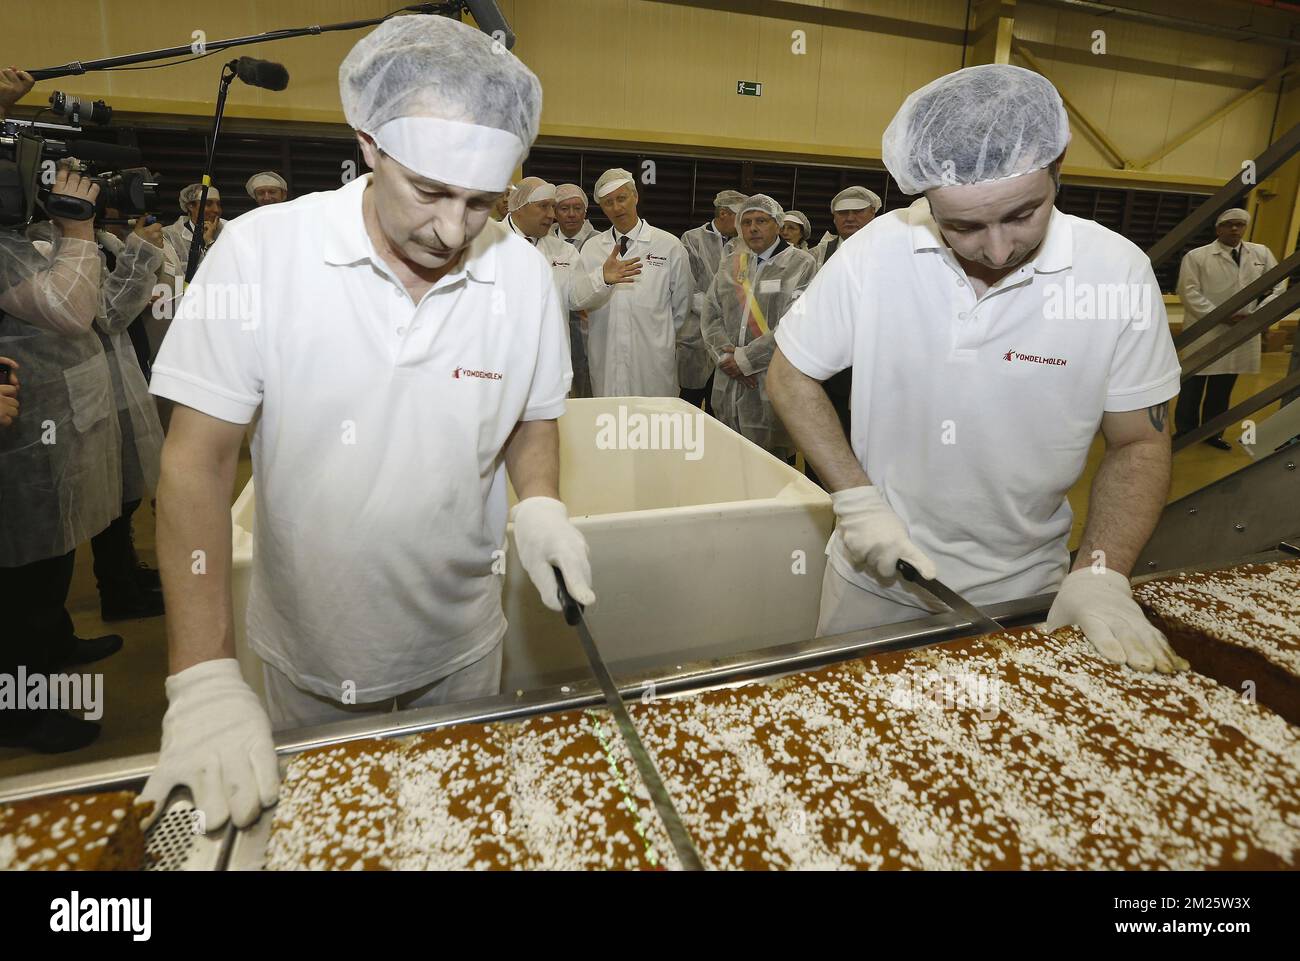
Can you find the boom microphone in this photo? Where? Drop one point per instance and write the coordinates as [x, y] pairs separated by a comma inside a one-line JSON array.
[[262, 73]]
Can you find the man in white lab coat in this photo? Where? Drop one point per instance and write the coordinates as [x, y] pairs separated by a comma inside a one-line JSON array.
[[178, 236], [695, 364], [634, 281], [573, 229], [571, 223], [973, 406], [1208, 276], [267, 187], [851, 210], [532, 214]]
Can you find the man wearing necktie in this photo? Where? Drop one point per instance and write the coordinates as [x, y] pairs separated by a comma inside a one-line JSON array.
[[634, 281], [757, 281], [571, 223], [1208, 276]]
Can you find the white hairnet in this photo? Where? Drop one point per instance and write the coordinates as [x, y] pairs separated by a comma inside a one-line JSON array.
[[530, 190], [430, 66], [731, 199], [798, 217], [570, 192], [192, 193], [855, 198], [267, 178], [611, 180], [764, 204], [973, 126], [1233, 213]]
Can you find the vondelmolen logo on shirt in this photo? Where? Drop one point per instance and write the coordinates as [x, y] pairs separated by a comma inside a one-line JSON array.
[[460, 372], [1012, 355]]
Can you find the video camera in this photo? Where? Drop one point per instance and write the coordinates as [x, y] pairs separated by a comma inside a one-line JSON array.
[[29, 156]]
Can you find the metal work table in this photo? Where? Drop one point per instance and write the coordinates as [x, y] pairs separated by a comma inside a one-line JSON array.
[[175, 846]]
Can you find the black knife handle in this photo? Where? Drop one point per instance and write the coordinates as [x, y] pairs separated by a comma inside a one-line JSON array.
[[572, 609], [909, 572]]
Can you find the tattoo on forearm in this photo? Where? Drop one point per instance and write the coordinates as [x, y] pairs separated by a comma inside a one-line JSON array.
[[1158, 415]]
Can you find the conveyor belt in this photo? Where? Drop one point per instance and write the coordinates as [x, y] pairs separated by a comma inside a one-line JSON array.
[[245, 849]]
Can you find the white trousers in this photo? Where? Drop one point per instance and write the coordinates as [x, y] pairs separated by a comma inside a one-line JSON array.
[[291, 707], [845, 607]]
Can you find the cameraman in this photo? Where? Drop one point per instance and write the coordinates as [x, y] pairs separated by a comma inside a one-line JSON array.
[[8, 392], [14, 84], [130, 268], [60, 467]]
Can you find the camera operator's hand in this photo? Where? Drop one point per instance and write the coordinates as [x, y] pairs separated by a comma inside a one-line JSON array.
[[69, 183], [14, 84], [151, 233], [9, 394]]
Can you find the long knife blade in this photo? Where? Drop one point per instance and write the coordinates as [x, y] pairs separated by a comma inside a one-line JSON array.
[[677, 833], [950, 597]]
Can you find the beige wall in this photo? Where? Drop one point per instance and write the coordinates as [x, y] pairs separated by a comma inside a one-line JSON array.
[[654, 71], [1154, 84]]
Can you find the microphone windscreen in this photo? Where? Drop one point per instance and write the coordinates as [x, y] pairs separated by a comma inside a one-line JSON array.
[[262, 73]]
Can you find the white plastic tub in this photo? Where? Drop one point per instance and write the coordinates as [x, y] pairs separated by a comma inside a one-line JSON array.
[[702, 550]]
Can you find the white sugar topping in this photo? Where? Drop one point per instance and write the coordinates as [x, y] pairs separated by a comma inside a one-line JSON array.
[[1013, 751]]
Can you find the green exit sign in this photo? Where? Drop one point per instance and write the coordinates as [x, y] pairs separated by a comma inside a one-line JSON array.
[[749, 88]]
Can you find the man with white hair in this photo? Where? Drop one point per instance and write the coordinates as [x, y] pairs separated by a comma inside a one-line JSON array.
[[267, 187], [973, 407], [756, 282], [695, 362], [634, 281], [531, 216], [386, 343], [851, 210], [571, 223], [178, 236], [571, 230], [1208, 276]]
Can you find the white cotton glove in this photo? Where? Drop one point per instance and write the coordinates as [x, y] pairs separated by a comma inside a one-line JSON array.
[[874, 535], [544, 536], [216, 741], [1100, 603]]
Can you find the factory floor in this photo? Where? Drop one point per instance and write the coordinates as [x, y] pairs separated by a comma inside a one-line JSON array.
[[134, 699]]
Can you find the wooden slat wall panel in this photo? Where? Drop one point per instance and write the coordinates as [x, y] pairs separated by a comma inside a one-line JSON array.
[[680, 197]]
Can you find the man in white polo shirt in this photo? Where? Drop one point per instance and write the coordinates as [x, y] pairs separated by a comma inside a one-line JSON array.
[[402, 359], [980, 381]]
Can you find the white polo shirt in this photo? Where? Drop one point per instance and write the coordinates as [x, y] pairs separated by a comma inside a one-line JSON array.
[[381, 487], [974, 416]]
